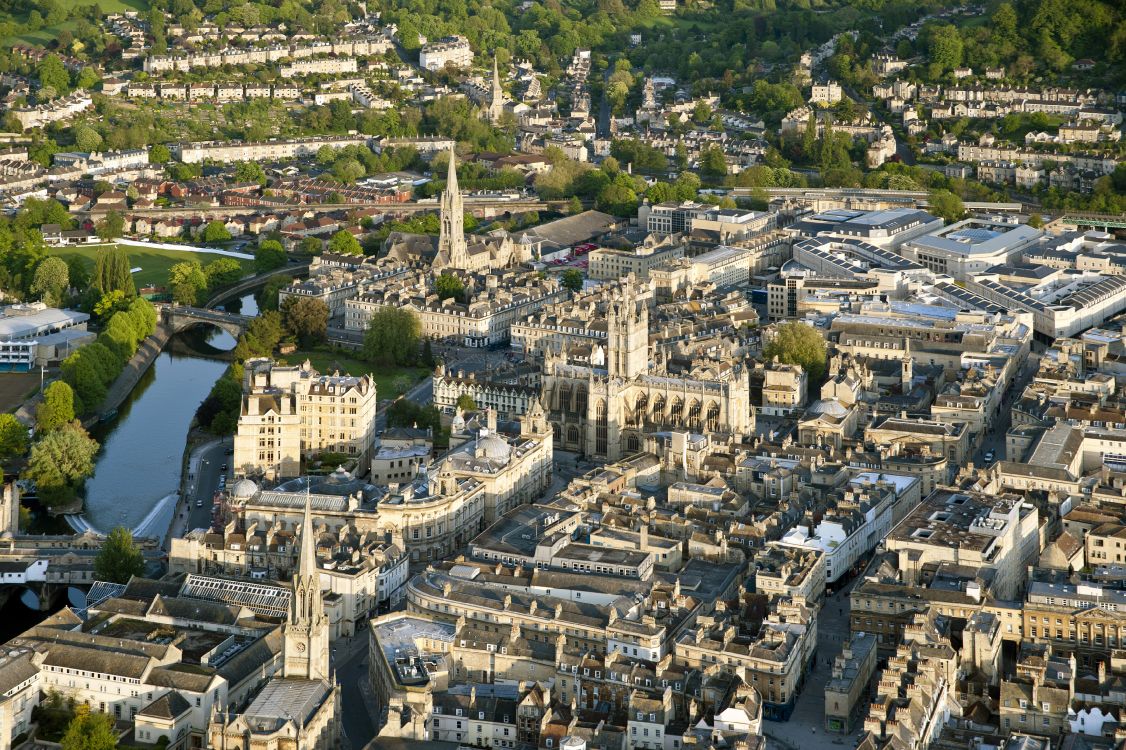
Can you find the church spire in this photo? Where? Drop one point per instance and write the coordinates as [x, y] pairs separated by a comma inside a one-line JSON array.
[[451, 236], [496, 97], [305, 644], [307, 563]]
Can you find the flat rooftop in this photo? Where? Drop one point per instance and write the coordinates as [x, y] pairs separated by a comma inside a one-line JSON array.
[[398, 639], [19, 321]]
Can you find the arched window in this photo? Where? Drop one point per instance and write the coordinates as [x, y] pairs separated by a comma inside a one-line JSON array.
[[600, 427]]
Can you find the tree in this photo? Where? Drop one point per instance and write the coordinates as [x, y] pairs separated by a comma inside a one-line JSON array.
[[946, 47], [186, 280], [57, 407], [88, 371], [159, 154], [250, 171], [112, 271], [345, 243], [465, 402], [574, 206], [945, 204], [215, 231], [222, 272], [1036, 221], [618, 199], [90, 731], [310, 246], [110, 227], [51, 280], [13, 436], [60, 461], [392, 337], [448, 286], [269, 255], [51, 72], [109, 303], [86, 138], [87, 78], [797, 343], [267, 296], [572, 279], [306, 318], [120, 336], [142, 315], [119, 558], [712, 162], [348, 170]]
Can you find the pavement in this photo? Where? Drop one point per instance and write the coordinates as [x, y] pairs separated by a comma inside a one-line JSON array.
[[199, 486], [806, 727]]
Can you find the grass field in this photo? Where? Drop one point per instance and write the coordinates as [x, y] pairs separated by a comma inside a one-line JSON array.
[[48, 33], [328, 361], [154, 263]]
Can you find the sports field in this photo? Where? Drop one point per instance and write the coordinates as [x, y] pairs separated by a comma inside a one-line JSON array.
[[153, 262]]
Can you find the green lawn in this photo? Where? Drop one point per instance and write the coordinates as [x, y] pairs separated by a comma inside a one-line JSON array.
[[49, 33], [154, 262], [328, 361]]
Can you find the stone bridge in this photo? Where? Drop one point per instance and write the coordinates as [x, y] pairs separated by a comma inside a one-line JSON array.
[[293, 268], [179, 318]]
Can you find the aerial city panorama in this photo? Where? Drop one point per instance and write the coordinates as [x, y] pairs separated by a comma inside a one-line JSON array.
[[562, 375]]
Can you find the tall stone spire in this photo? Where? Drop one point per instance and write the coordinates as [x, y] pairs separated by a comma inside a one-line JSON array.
[[451, 236], [496, 97], [305, 633], [307, 562]]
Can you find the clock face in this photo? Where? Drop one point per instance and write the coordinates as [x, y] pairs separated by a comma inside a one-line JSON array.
[[300, 646]]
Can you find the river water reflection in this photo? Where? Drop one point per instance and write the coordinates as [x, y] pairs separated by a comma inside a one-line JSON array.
[[138, 468]]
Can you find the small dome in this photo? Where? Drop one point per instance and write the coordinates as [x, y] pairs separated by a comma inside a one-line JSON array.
[[244, 488], [830, 407], [339, 475], [492, 446]]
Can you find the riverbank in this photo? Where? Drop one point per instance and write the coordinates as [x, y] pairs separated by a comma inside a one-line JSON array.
[[138, 365]]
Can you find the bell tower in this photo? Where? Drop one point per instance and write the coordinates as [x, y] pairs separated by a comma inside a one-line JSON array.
[[305, 633], [627, 335]]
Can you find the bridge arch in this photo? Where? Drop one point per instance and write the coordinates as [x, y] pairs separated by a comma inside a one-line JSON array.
[[179, 319]]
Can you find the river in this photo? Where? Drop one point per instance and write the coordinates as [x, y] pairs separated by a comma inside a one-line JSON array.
[[137, 473]]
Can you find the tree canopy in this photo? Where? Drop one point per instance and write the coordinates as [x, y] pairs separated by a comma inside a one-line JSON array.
[[13, 436], [89, 731], [57, 407], [52, 276], [112, 271], [796, 343], [119, 558], [187, 282], [345, 243], [306, 318], [60, 461], [392, 337], [449, 286], [269, 255]]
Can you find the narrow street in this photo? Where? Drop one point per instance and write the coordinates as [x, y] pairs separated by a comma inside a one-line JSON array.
[[805, 729], [350, 658]]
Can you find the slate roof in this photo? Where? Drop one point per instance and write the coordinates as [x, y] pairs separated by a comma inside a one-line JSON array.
[[171, 705]]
